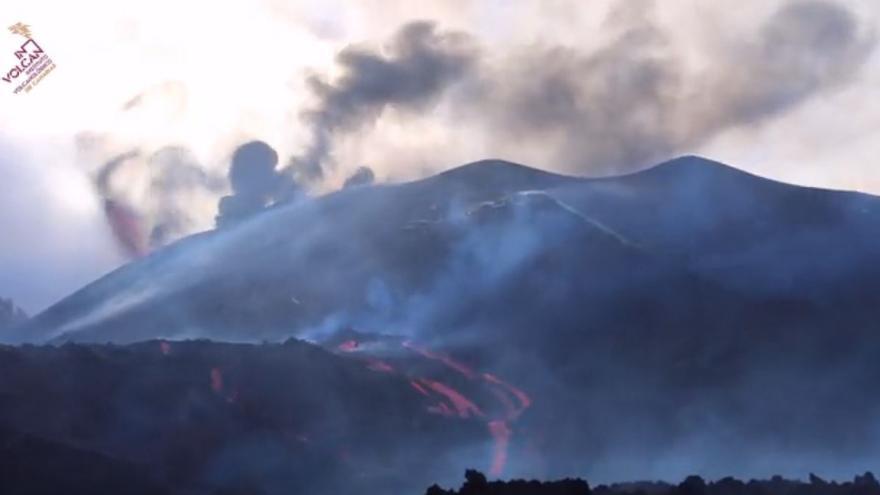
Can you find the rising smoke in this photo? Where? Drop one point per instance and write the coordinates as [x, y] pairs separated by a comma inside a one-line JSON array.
[[255, 183], [635, 101], [149, 198], [622, 106], [629, 103], [421, 62]]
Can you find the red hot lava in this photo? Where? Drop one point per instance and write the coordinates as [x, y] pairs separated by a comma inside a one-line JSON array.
[[523, 398], [381, 366], [448, 361], [498, 426], [501, 434], [348, 346], [464, 407], [454, 404], [127, 227], [418, 387]]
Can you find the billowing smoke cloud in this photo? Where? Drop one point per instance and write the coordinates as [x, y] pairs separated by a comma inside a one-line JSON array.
[[421, 62], [634, 101], [149, 201], [629, 103], [255, 183]]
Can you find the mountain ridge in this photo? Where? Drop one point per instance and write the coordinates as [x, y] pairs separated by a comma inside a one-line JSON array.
[[626, 206]]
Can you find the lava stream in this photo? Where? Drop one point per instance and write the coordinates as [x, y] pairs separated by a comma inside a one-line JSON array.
[[501, 434], [381, 366], [418, 387], [464, 407], [454, 404], [448, 361], [498, 427], [348, 346]]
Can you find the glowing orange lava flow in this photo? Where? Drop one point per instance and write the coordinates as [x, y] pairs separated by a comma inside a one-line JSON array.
[[524, 400], [448, 361], [498, 427], [501, 434], [381, 366], [348, 346], [454, 404], [418, 387], [127, 227], [464, 407]]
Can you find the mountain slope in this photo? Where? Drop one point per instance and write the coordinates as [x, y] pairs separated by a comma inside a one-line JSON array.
[[688, 304], [757, 235], [368, 255]]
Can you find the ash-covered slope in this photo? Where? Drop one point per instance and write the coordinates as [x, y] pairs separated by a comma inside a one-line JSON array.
[[371, 252], [407, 254], [759, 236]]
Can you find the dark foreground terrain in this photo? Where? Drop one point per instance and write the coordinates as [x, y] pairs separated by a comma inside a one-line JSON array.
[[476, 484], [360, 413], [206, 417]]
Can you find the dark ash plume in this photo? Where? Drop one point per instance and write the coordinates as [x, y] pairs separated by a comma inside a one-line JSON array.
[[255, 183], [805, 47], [632, 102], [421, 62]]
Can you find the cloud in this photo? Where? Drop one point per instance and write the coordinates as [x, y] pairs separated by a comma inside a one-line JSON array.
[[55, 239], [635, 100], [421, 62], [256, 184]]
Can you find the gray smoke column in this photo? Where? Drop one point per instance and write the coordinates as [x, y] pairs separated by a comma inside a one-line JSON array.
[[635, 100], [419, 63], [255, 183]]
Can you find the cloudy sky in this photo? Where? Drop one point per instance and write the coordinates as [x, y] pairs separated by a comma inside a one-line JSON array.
[[785, 89]]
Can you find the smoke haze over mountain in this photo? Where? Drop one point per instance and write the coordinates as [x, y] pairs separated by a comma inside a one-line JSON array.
[[596, 89]]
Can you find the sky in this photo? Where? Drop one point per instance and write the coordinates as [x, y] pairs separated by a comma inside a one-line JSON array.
[[785, 89]]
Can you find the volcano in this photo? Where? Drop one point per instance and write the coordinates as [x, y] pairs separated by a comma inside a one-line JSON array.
[[687, 318], [374, 253]]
